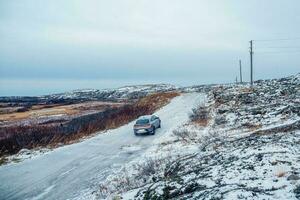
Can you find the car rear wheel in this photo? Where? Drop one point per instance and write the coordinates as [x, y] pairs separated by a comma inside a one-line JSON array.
[[153, 130], [159, 126]]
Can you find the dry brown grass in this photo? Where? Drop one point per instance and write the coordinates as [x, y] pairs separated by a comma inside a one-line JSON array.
[[39, 107], [144, 106], [252, 127], [200, 116], [38, 113], [56, 109], [246, 90], [202, 122], [157, 100]]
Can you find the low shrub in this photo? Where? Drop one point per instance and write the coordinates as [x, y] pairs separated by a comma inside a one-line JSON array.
[[200, 115], [212, 140], [184, 134], [145, 172], [297, 191], [220, 120]]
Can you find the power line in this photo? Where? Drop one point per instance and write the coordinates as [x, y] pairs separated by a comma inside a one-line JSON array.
[[293, 49], [281, 39], [296, 52], [280, 47], [278, 51]]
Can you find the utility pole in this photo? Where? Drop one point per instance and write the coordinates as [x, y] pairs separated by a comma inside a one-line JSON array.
[[251, 62], [241, 76]]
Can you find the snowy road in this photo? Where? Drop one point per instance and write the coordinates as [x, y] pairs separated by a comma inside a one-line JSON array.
[[69, 171]]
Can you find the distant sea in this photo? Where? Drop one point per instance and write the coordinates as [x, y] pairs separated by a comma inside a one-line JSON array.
[[36, 87]]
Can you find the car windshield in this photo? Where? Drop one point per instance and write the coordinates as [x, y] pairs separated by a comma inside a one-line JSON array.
[[142, 121]]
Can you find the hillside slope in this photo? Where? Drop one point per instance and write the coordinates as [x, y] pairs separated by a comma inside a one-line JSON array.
[[243, 143]]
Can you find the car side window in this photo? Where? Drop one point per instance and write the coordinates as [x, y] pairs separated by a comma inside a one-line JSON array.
[[152, 118]]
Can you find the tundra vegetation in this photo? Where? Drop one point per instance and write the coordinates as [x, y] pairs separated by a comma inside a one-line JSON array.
[[243, 143]]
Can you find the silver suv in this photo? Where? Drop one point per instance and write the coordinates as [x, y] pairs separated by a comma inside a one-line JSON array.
[[146, 125]]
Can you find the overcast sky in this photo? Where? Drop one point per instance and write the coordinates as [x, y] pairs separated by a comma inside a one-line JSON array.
[[58, 45]]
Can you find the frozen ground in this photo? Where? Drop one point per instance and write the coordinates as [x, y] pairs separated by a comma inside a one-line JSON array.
[[78, 169], [243, 143]]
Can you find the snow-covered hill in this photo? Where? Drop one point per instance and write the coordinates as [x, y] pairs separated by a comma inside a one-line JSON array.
[[243, 143], [126, 92]]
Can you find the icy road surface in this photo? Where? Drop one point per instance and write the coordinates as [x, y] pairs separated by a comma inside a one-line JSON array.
[[69, 171]]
